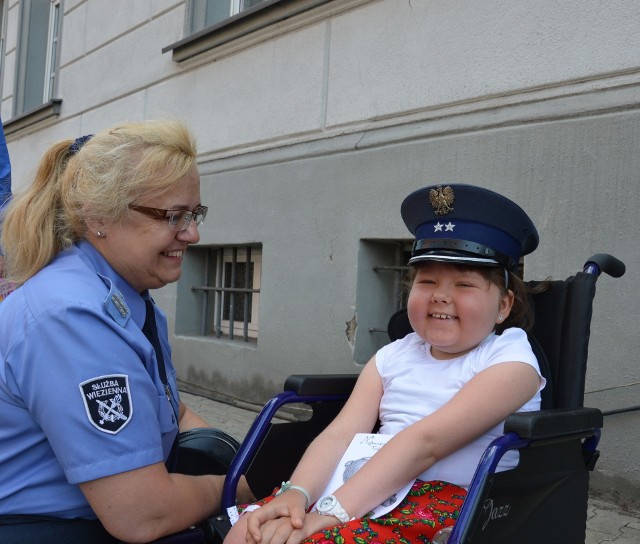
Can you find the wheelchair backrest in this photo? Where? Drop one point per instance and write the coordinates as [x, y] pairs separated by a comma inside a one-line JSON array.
[[563, 314]]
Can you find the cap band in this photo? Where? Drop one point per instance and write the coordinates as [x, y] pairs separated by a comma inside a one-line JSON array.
[[476, 238], [452, 249]]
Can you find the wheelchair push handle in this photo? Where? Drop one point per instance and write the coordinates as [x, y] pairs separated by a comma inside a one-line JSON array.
[[603, 262]]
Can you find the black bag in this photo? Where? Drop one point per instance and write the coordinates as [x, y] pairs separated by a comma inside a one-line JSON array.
[[205, 451]]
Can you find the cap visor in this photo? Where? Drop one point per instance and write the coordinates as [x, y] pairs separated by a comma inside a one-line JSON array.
[[454, 259]]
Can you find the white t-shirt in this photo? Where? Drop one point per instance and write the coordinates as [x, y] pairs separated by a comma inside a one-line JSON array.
[[416, 384]]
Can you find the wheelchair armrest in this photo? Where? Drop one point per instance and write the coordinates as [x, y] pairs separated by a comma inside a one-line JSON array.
[[553, 423], [320, 384]]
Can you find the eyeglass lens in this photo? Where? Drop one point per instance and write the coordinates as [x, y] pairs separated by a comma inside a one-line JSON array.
[[181, 220]]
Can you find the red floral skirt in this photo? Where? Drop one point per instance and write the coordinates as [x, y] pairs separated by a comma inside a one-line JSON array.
[[427, 508]]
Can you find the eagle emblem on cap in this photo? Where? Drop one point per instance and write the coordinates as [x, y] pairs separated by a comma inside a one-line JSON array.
[[441, 199]]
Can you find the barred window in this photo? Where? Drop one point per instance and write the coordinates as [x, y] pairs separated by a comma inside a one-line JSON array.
[[231, 291], [397, 275], [382, 289]]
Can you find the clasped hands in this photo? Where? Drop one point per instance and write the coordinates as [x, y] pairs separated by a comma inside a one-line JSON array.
[[284, 521]]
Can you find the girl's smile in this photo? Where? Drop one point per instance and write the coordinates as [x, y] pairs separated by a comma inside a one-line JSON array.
[[454, 308]]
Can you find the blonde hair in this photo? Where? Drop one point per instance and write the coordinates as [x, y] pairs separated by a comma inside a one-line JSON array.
[[109, 172]]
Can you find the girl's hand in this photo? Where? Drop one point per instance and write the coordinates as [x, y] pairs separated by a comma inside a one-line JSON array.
[[273, 531], [281, 531], [290, 507], [313, 522]]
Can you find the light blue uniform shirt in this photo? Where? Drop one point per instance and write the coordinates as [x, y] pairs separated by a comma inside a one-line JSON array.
[[80, 394]]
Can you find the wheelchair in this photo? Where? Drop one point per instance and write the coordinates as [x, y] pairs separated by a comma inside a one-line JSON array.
[[543, 499]]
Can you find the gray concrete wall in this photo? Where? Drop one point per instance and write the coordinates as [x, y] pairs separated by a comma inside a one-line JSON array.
[[311, 132]]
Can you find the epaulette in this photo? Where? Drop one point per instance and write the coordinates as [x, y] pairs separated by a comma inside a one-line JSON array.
[[115, 304]]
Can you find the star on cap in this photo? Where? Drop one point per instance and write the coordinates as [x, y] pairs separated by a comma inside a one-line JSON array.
[[438, 227], [449, 226]]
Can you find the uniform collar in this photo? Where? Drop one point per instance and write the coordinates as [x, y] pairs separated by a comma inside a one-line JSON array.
[[120, 291]]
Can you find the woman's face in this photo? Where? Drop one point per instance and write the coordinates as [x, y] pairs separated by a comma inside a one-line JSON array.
[[454, 308], [143, 249]]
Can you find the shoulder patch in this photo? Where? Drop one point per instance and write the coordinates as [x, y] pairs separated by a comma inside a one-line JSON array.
[[107, 402]]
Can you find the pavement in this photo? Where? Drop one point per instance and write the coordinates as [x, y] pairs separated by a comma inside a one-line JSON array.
[[605, 521]]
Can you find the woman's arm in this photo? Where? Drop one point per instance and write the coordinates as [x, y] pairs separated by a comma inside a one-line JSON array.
[[143, 504], [146, 503], [187, 419]]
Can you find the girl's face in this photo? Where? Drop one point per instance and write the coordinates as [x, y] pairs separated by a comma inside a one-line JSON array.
[[454, 308], [143, 249]]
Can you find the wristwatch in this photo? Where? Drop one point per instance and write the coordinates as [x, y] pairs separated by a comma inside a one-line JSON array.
[[330, 506]]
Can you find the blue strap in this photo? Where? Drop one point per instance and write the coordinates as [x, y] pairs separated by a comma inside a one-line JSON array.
[[5, 170], [150, 330]]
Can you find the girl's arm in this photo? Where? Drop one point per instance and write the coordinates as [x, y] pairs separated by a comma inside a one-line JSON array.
[[359, 414], [483, 402]]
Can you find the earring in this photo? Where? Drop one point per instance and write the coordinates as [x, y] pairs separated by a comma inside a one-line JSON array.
[[500, 318], [99, 234]]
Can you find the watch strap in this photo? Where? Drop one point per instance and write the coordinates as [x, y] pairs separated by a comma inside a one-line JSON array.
[[336, 511]]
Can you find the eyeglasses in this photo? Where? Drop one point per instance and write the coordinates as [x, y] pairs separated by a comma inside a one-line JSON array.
[[179, 220]]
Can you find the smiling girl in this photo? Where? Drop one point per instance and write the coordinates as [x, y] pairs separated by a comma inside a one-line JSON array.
[[442, 392]]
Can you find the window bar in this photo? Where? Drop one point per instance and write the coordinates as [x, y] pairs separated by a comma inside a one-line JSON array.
[[225, 289], [219, 295], [398, 290], [247, 278], [206, 297], [397, 280], [232, 293], [402, 288]]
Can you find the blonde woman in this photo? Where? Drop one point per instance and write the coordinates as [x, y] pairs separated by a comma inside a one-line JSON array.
[[89, 407]]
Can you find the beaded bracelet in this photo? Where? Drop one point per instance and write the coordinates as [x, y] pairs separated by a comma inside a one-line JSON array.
[[287, 485]]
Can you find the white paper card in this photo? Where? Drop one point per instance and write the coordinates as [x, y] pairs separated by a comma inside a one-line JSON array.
[[362, 448]]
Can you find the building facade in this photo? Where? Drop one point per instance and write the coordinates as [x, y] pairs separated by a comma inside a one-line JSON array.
[[314, 119]]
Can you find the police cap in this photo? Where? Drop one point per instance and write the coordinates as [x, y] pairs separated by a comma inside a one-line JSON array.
[[468, 225]]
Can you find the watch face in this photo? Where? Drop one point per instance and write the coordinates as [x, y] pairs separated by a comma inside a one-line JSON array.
[[326, 503]]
